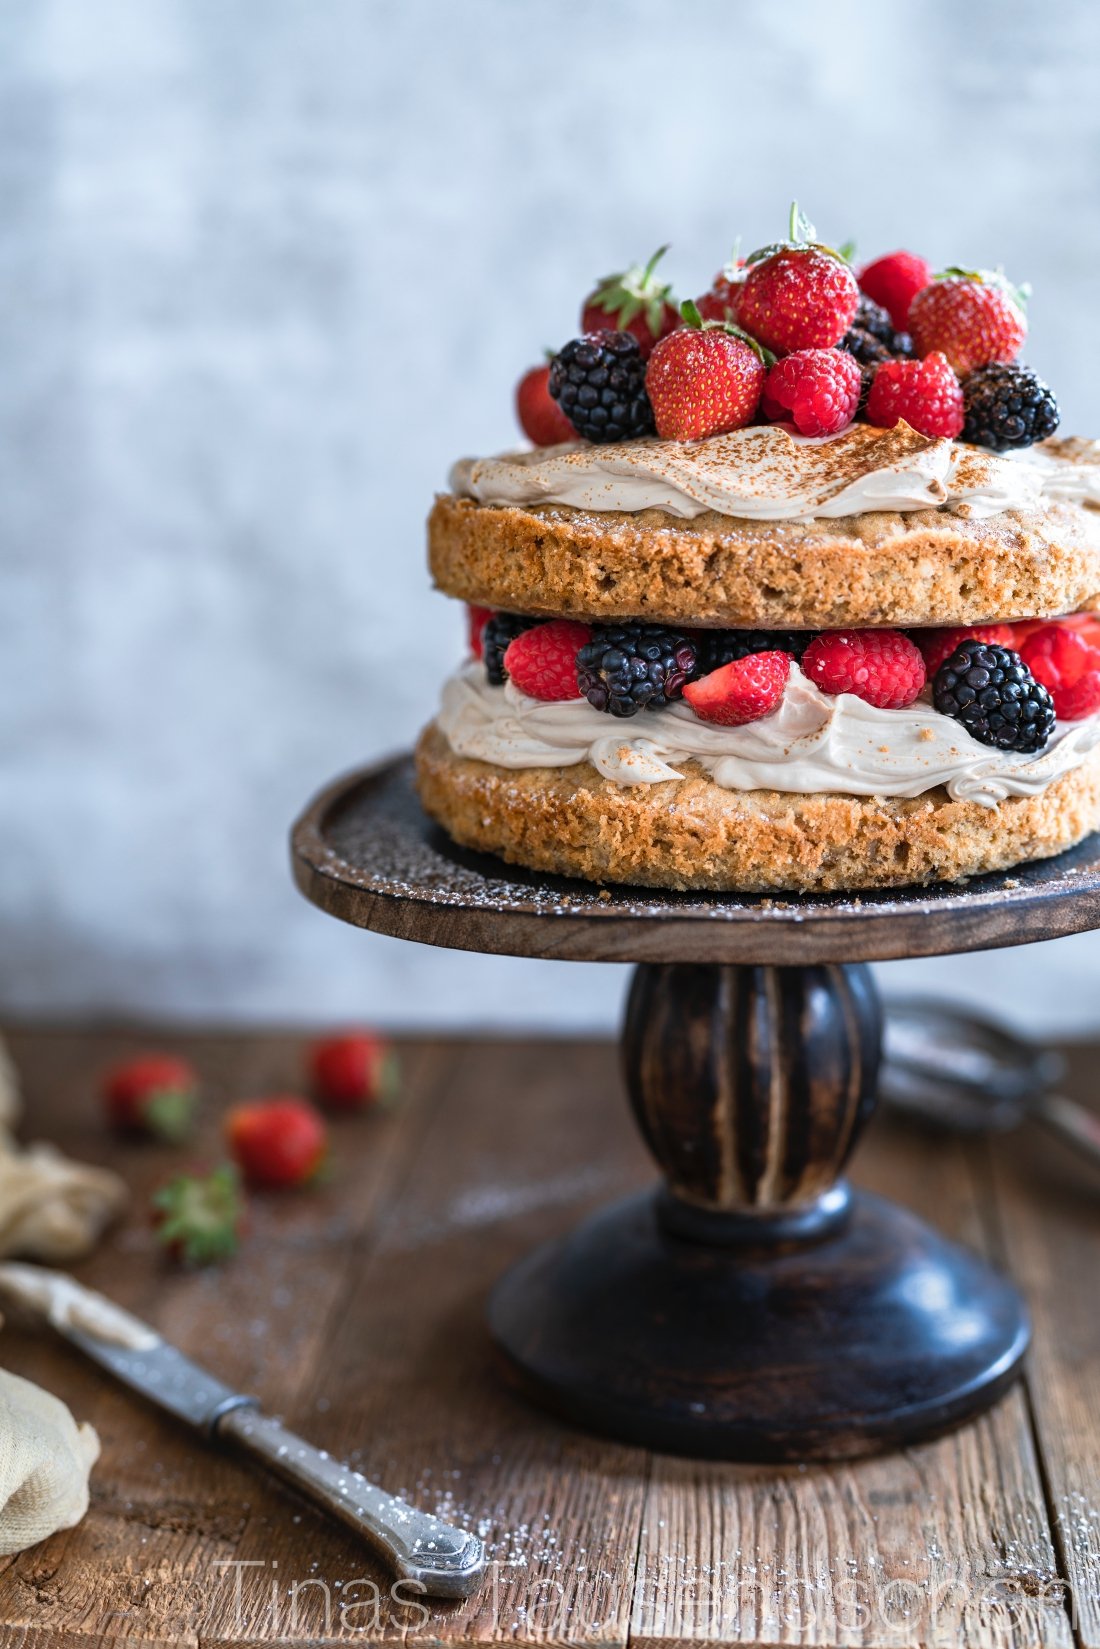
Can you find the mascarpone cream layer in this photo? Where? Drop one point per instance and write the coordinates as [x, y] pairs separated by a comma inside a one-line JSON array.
[[814, 742], [767, 473]]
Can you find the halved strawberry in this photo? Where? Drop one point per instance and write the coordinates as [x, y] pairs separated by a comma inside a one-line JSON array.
[[740, 692], [1068, 668]]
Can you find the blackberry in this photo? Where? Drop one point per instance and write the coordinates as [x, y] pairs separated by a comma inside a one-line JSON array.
[[630, 667], [598, 380], [499, 630], [995, 696], [871, 338], [1007, 406], [714, 648]]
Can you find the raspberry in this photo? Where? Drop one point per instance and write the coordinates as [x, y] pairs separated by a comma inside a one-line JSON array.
[[540, 417], [599, 383], [894, 281], [633, 301], [819, 388], [1067, 666], [742, 691], [925, 393], [476, 620], [882, 667], [800, 297], [991, 691], [543, 662], [703, 380], [972, 317], [937, 645]]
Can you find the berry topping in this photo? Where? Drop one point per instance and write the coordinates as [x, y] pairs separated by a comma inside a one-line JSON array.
[[1007, 406], [714, 648], [894, 281], [937, 645], [154, 1095], [742, 691], [882, 667], [277, 1142], [540, 417], [634, 301], [799, 295], [817, 389], [720, 303], [542, 662], [995, 696], [971, 316], [599, 382], [925, 393], [631, 667], [476, 620], [498, 631], [871, 337], [704, 379], [353, 1072], [199, 1218], [1067, 666]]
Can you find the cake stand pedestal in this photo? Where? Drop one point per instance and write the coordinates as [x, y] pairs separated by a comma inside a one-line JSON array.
[[752, 1306]]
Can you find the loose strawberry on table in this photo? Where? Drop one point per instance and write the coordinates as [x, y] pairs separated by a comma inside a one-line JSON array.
[[277, 1142], [971, 316], [882, 667], [797, 295], [540, 417], [155, 1094], [894, 281], [542, 662], [353, 1072], [740, 692], [634, 300], [199, 1218], [926, 394], [704, 379], [816, 389]]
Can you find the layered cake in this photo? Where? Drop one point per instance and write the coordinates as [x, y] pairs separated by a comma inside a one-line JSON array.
[[793, 589]]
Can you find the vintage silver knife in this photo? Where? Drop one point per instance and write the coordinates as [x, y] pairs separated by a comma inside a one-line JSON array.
[[445, 1561]]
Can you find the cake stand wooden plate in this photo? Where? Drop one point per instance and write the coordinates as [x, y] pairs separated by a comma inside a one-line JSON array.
[[752, 1307]]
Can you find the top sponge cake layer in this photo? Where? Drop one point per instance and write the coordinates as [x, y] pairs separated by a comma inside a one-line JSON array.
[[881, 568]]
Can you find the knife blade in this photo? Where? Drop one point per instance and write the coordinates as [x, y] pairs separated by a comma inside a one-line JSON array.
[[444, 1560]]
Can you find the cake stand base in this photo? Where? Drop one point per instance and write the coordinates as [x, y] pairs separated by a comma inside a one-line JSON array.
[[874, 1334]]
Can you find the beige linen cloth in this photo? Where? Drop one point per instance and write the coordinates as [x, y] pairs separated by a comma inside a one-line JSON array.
[[51, 1209]]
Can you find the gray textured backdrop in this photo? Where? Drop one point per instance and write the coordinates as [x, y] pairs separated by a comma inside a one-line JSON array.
[[267, 266]]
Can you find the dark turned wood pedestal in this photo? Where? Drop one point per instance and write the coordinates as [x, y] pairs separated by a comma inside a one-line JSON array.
[[752, 1307]]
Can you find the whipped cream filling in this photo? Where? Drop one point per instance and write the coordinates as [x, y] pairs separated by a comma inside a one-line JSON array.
[[814, 742], [768, 473]]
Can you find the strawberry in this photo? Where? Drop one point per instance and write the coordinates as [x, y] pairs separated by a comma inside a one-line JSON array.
[[542, 662], [925, 393], [720, 303], [1086, 624], [155, 1095], [1067, 666], [703, 379], [199, 1218], [972, 316], [740, 692], [277, 1142], [938, 645], [476, 620], [540, 417], [633, 301], [882, 667], [799, 294], [353, 1072], [817, 389], [894, 281]]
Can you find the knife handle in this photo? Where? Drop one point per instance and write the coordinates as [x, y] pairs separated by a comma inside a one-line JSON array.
[[445, 1561]]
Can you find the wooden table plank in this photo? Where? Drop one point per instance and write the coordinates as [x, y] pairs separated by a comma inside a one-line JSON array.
[[940, 1544], [369, 1337], [1049, 1207]]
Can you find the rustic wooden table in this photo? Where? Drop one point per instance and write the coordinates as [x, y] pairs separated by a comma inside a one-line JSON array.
[[357, 1312]]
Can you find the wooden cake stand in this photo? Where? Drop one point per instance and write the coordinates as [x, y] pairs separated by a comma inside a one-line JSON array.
[[751, 1307]]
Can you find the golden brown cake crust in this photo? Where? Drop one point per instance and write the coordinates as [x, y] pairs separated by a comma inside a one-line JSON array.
[[920, 567], [690, 833]]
